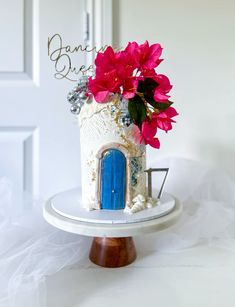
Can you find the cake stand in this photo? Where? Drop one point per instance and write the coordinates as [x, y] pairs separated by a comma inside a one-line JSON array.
[[113, 245]]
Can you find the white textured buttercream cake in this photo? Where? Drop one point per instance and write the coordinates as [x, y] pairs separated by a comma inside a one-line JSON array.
[[112, 163]]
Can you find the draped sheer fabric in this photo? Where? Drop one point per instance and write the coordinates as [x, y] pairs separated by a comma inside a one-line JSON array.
[[30, 249]]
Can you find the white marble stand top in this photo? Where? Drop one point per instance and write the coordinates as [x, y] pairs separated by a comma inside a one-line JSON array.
[[64, 211]]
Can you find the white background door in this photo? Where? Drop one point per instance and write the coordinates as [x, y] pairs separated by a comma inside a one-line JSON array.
[[39, 139]]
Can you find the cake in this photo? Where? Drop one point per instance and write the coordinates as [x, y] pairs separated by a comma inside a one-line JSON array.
[[119, 110]]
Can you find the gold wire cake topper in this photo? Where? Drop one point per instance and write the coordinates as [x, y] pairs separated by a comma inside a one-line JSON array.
[[60, 54]]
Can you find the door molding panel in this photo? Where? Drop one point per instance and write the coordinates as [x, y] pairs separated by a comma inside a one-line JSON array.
[[100, 25], [20, 153], [29, 76]]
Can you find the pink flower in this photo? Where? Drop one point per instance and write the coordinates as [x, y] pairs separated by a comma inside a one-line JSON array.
[[113, 72], [132, 49], [160, 93], [164, 120], [137, 135], [163, 88], [129, 88], [103, 86], [144, 56], [125, 64], [149, 55], [147, 134], [105, 62], [122, 62], [149, 130], [131, 73]]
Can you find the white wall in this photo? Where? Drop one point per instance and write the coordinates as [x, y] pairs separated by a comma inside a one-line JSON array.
[[199, 52]]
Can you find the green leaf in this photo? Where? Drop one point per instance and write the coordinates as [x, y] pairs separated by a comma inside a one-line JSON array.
[[137, 110], [147, 86], [163, 105], [141, 86], [158, 105], [150, 84]]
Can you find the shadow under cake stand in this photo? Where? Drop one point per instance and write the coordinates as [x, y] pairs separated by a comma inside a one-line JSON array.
[[113, 245]]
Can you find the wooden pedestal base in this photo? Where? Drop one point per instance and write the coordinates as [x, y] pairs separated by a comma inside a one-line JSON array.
[[112, 252]]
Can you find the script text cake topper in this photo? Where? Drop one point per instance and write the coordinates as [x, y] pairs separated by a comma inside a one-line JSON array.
[[60, 55]]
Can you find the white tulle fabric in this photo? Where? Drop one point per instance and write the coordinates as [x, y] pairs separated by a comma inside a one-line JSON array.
[[30, 249]]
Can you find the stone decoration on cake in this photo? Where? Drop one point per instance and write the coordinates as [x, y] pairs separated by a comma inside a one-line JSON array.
[[119, 111]]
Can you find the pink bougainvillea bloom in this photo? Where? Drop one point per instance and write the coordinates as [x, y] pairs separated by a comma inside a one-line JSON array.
[[149, 73], [154, 142], [132, 49], [163, 88], [99, 90], [125, 64], [160, 96], [137, 135], [102, 87], [149, 55], [147, 134], [145, 56], [105, 61], [160, 93], [164, 119], [164, 82], [122, 62], [149, 130], [129, 88]]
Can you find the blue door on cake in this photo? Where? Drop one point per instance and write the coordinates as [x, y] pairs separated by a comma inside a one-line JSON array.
[[113, 180]]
